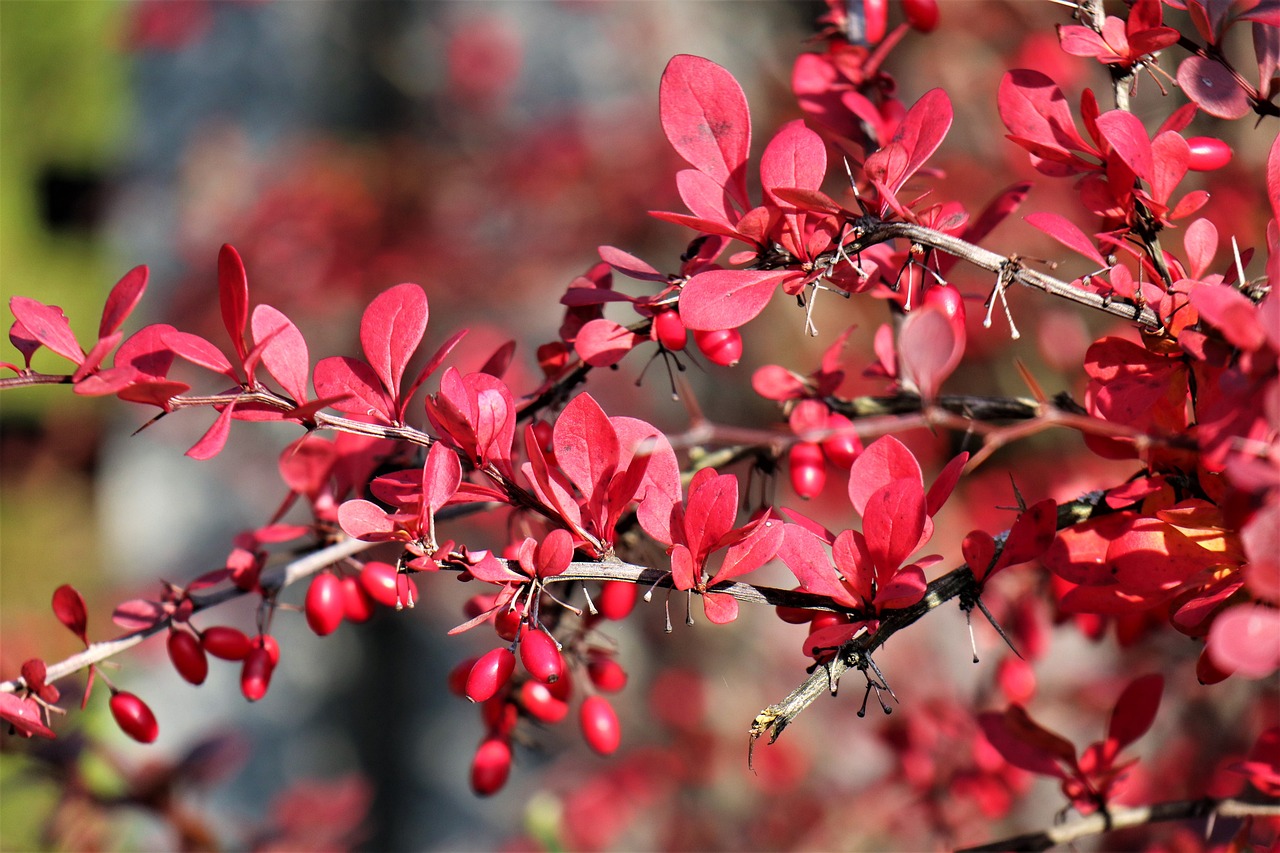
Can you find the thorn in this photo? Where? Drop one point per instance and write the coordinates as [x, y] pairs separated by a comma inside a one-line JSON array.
[[994, 624], [688, 608], [591, 605], [884, 682], [666, 613], [973, 641]]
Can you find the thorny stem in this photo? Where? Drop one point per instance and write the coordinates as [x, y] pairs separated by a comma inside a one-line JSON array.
[[1120, 817]]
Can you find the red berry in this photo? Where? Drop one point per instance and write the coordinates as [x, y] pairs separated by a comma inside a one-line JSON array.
[[947, 299], [540, 704], [134, 717], [188, 656], [500, 716], [668, 330], [607, 674], [841, 448], [1208, 153], [255, 675], [507, 624], [723, 346], [600, 725], [825, 619], [490, 673], [225, 643], [491, 766], [325, 604], [380, 580], [540, 656], [617, 599], [808, 469], [458, 676], [357, 606], [922, 15], [794, 615], [875, 15]]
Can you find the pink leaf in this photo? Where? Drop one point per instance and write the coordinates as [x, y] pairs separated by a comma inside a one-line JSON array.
[[1034, 108], [602, 342], [68, 606], [122, 299], [1066, 233], [1232, 313], [432, 365], [366, 521], [137, 614], [704, 115], [1135, 710], [930, 348], [795, 158], [48, 325], [95, 356], [705, 198], [886, 459], [441, 476], [285, 353], [390, 331], [233, 296], [355, 382], [24, 715], [1246, 640], [904, 589], [1201, 244], [726, 299], [921, 132]]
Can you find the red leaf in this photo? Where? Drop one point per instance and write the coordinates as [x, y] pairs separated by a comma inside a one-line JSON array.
[[23, 713], [602, 342], [803, 553], [198, 351], [930, 348], [921, 132], [354, 385], [979, 551], [904, 589], [390, 331], [1031, 534], [629, 265], [1066, 233], [726, 299], [1201, 244], [1024, 744], [48, 325], [432, 365], [233, 296], [68, 606], [212, 442], [705, 198], [1135, 711], [795, 158], [586, 447], [96, 354], [122, 299], [709, 511], [1246, 640], [554, 553], [1211, 85], [1232, 313], [1171, 158], [893, 523], [704, 116], [441, 477], [758, 548], [884, 460], [720, 609], [285, 352], [137, 614], [1034, 108], [944, 484]]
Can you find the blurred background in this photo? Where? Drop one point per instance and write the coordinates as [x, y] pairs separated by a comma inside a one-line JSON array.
[[482, 150]]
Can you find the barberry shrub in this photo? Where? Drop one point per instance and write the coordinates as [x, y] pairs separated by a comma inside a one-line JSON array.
[[1113, 479]]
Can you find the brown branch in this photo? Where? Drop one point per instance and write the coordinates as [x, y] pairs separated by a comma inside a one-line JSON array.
[[29, 378], [1121, 817], [855, 654]]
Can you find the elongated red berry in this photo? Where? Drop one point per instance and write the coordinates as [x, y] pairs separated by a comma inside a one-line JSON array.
[[500, 716], [134, 717], [540, 704], [875, 17], [723, 346], [491, 766], [458, 676], [600, 725], [225, 643], [507, 624], [490, 673], [843, 447], [357, 606], [1208, 153], [188, 656], [922, 15], [808, 469], [259, 665], [607, 674], [946, 298], [325, 604], [540, 656], [380, 581], [617, 599], [794, 615], [668, 330]]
